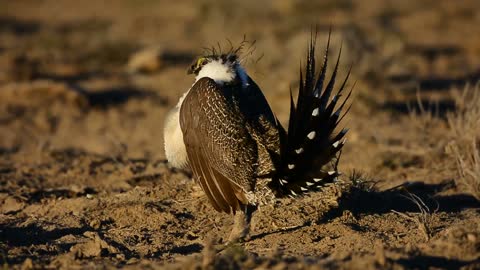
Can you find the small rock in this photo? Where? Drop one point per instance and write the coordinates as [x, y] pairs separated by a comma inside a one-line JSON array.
[[380, 253], [95, 224], [27, 264], [280, 266], [132, 261], [145, 61], [89, 249], [94, 247], [12, 205], [191, 235], [471, 237]]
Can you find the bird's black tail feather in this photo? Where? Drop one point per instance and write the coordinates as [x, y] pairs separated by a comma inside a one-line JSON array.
[[310, 150]]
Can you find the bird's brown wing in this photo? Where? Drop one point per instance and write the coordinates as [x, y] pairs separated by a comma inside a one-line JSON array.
[[220, 150]]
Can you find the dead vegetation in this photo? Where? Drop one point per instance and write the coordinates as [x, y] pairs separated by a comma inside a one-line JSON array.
[[423, 219], [464, 131], [452, 142]]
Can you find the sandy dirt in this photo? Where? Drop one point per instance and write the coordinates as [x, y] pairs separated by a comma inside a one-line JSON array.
[[85, 86]]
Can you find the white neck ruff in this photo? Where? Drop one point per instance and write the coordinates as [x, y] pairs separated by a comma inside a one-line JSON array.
[[221, 73]]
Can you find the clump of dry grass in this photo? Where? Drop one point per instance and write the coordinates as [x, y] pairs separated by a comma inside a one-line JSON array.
[[464, 132], [360, 181], [424, 219]]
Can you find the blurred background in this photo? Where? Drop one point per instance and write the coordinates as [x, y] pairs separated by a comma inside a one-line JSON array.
[[85, 86], [119, 65]]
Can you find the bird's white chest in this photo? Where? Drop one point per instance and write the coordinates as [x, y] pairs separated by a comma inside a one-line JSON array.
[[175, 150]]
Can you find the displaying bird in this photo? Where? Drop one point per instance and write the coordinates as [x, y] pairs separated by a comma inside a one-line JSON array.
[[224, 129]]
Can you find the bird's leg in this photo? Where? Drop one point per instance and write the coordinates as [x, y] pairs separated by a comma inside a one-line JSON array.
[[241, 224]]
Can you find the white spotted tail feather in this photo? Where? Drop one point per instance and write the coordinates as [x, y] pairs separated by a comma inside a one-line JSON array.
[[311, 149]]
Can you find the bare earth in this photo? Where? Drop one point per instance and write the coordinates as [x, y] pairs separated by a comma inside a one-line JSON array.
[[85, 85]]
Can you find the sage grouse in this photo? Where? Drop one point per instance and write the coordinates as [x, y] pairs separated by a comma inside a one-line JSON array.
[[242, 157]]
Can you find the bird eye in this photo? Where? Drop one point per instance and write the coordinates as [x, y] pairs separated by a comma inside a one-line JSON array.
[[232, 57]]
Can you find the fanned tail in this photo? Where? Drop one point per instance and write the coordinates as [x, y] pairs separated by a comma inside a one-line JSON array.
[[311, 149]]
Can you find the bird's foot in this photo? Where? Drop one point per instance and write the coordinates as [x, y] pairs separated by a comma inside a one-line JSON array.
[[241, 227], [239, 234]]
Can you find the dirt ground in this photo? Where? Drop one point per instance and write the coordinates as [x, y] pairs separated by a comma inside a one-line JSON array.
[[85, 85]]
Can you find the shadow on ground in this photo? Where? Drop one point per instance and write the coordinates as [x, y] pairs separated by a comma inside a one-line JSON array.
[[420, 261], [361, 201]]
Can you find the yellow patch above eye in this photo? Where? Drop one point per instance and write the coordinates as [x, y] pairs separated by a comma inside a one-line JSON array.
[[200, 61]]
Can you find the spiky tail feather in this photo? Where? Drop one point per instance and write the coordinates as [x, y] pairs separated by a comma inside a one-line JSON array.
[[310, 151]]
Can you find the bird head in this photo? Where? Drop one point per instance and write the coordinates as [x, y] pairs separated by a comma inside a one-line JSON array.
[[222, 68], [228, 60]]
